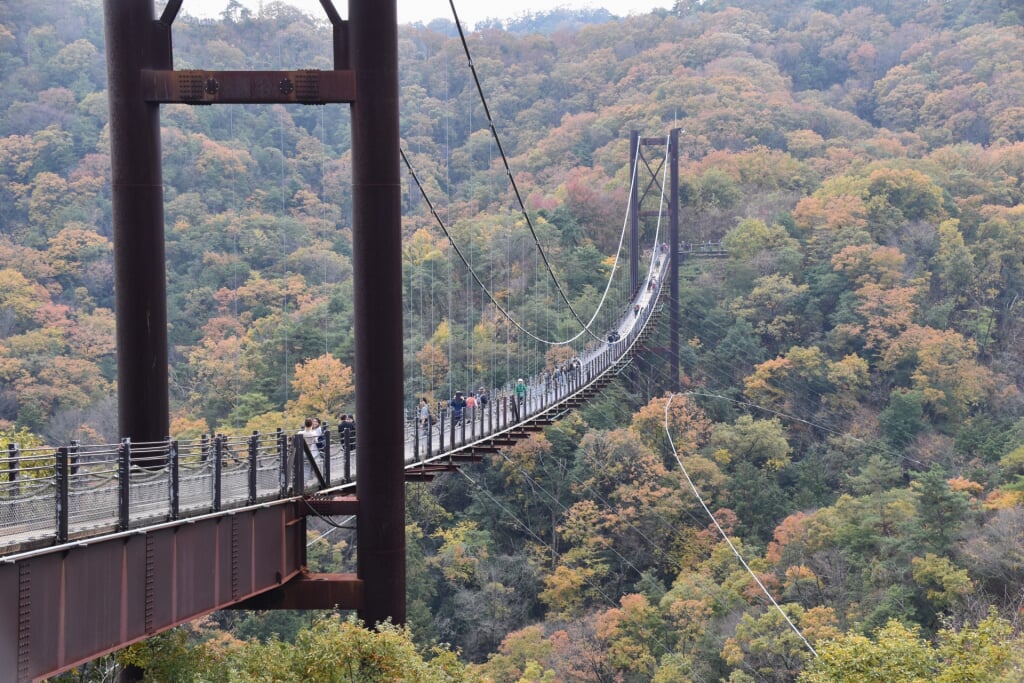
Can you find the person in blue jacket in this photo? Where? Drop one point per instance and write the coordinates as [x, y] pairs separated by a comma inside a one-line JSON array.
[[458, 404]]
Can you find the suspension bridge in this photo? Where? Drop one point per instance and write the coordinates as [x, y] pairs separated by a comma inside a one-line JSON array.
[[52, 496], [87, 527], [105, 545]]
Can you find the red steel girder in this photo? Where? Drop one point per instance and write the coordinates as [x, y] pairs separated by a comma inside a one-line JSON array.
[[67, 605], [312, 591]]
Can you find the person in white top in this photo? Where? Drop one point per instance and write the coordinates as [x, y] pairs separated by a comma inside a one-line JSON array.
[[310, 434], [425, 416]]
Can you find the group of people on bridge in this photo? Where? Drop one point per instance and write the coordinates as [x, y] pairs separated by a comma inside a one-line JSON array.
[[463, 406], [467, 406], [314, 434]]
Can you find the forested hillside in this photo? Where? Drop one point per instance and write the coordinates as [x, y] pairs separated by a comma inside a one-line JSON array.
[[853, 413]]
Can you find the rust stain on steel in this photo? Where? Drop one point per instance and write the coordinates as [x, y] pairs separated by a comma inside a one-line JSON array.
[[334, 505]]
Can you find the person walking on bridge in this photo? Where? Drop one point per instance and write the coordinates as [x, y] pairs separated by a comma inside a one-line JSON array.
[[347, 431], [310, 434], [518, 399], [424, 417], [321, 441], [458, 405]]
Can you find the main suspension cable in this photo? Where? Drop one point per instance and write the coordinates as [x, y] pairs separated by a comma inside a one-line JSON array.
[[511, 178], [476, 277]]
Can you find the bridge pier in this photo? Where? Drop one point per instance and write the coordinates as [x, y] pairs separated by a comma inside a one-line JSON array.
[[377, 286], [136, 41]]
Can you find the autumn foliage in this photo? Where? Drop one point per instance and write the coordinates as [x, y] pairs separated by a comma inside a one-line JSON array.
[[852, 369]]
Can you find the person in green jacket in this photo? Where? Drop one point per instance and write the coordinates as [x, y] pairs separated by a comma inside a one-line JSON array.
[[519, 394]]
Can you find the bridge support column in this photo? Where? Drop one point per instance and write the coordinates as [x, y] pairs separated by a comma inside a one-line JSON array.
[[634, 214], [673, 265], [648, 181], [135, 41], [377, 276]]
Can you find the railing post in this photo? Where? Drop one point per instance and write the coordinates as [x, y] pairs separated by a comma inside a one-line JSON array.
[[440, 428], [416, 429], [451, 430], [12, 467], [282, 462], [61, 477], [298, 478], [74, 452], [254, 449], [204, 448], [430, 433], [327, 456], [174, 461], [346, 448], [124, 456], [218, 465]]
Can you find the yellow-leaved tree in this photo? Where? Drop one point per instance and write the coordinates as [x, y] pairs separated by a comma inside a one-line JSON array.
[[324, 387]]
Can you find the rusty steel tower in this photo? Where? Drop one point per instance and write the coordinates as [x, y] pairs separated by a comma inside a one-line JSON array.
[[141, 77]]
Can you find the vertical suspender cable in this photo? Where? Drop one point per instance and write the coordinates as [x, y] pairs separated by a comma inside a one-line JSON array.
[[448, 216], [508, 328], [470, 324], [284, 265], [325, 232], [234, 246], [469, 384]]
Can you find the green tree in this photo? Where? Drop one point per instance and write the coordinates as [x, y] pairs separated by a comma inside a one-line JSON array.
[[896, 654], [987, 652], [333, 650], [767, 646], [761, 443], [941, 510], [903, 419]]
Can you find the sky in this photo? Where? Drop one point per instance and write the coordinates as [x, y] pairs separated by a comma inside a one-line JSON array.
[[470, 11]]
